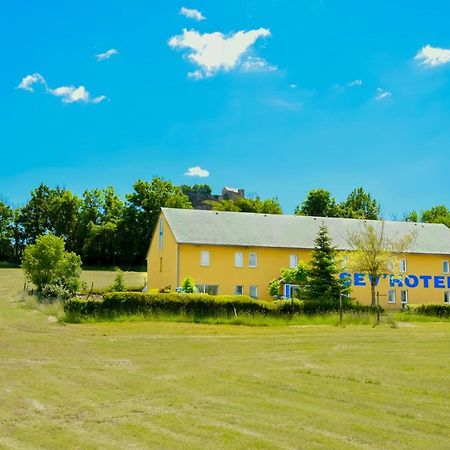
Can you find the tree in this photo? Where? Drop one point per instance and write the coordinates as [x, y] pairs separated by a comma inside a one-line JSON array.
[[323, 281], [437, 214], [146, 202], [374, 252], [6, 232], [50, 268], [188, 285], [360, 205], [318, 203], [254, 205], [197, 194], [297, 276]]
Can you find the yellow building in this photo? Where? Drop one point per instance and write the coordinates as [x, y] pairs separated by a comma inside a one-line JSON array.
[[240, 253]]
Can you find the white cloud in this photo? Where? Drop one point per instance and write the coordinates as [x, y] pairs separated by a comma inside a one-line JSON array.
[[293, 86], [28, 81], [106, 55], [213, 52], [256, 64], [433, 56], [68, 94], [72, 94], [355, 83], [192, 14], [197, 172], [382, 94]]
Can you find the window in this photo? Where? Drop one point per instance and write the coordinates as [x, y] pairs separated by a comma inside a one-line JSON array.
[[204, 258], [253, 291], [252, 260], [391, 296], [239, 290], [404, 297], [445, 267], [344, 262], [403, 265], [447, 297], [211, 289], [238, 259], [161, 234], [293, 261], [390, 265]]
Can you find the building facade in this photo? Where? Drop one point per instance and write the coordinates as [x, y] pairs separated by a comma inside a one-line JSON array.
[[240, 253]]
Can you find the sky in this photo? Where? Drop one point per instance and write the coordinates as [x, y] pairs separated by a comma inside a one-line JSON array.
[[275, 96]]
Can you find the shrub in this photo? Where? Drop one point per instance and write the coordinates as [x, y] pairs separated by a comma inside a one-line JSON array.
[[433, 310], [50, 268], [188, 285], [118, 284], [199, 305]]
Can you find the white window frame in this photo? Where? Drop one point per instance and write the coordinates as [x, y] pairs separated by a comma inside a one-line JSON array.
[[205, 258], [250, 259], [293, 261], [255, 288], [445, 263], [391, 296], [238, 259], [447, 297], [404, 293], [403, 266], [239, 287]]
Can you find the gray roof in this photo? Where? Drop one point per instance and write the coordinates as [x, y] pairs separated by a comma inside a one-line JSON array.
[[191, 226]]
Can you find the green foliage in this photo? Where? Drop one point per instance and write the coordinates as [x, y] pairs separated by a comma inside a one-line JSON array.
[[54, 271], [360, 205], [118, 284], [438, 310], [188, 285], [241, 204], [198, 306], [274, 288], [437, 214], [6, 232], [323, 282], [318, 203]]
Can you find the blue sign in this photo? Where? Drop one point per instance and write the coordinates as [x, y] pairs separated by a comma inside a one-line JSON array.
[[410, 281]]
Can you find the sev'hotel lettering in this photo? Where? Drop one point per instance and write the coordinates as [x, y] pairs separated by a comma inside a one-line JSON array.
[[240, 253]]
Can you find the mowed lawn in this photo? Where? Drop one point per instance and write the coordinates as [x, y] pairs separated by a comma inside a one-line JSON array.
[[175, 385]]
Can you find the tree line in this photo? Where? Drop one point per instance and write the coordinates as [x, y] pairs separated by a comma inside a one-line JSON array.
[[106, 229]]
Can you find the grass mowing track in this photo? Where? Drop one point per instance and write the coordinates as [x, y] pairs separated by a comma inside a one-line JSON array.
[[182, 385]]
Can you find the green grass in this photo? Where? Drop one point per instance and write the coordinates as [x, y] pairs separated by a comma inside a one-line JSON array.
[[182, 385]]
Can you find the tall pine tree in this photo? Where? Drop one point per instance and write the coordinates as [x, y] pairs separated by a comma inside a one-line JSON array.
[[324, 283]]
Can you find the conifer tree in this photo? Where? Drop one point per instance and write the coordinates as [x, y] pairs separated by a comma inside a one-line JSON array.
[[323, 280]]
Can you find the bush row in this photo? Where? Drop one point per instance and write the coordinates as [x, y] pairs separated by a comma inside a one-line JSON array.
[[201, 305], [433, 310]]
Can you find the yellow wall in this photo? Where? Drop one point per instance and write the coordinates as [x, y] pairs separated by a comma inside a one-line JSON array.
[[164, 258], [222, 270]]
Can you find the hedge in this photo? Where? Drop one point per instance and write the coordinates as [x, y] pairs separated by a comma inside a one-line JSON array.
[[199, 305], [433, 310]]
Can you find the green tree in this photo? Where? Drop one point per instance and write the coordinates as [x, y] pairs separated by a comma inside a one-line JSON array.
[[50, 268], [254, 205], [437, 214], [297, 276], [374, 252], [323, 283], [188, 285], [119, 283], [360, 205], [146, 202], [318, 203], [6, 232], [197, 194]]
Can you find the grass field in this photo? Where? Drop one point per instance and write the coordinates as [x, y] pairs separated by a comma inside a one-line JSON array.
[[181, 385]]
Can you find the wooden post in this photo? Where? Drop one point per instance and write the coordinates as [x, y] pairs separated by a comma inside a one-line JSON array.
[[378, 308], [340, 308]]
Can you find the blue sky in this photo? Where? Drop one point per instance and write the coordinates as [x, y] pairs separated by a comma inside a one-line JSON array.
[[291, 96]]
